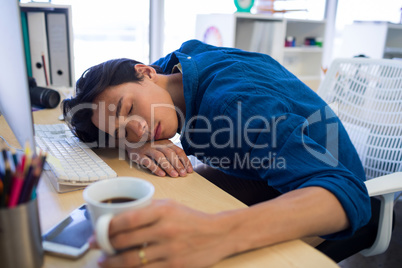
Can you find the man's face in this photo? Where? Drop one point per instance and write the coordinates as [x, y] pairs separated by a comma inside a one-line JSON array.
[[140, 112]]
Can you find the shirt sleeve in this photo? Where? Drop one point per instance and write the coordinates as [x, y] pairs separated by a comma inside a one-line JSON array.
[[306, 162]]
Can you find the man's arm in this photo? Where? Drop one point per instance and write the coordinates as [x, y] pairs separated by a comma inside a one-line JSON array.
[[180, 236], [311, 211]]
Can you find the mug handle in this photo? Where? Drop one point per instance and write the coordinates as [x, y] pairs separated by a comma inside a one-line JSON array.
[[102, 234]]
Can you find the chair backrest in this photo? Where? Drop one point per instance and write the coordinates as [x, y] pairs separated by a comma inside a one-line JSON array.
[[366, 94]]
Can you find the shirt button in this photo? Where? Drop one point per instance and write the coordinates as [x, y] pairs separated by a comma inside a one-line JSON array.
[[188, 57]]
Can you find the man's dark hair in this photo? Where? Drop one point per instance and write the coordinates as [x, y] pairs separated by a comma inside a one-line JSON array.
[[93, 82]]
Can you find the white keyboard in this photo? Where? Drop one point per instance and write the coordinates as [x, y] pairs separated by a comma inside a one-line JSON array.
[[72, 161]]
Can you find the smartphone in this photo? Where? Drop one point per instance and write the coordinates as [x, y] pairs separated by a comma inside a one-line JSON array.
[[69, 238]]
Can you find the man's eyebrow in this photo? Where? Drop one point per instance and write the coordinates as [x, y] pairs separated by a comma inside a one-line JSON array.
[[118, 110]]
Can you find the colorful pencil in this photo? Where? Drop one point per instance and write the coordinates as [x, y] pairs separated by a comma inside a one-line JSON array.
[[27, 181], [14, 156], [18, 183], [20, 178], [2, 195], [37, 173], [44, 69], [7, 184]]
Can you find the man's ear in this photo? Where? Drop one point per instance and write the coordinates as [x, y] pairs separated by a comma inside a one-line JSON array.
[[145, 70]]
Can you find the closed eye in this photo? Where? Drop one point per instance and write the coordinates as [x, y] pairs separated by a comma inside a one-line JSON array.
[[129, 112]]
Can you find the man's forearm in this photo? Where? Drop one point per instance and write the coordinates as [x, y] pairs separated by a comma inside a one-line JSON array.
[[304, 212]]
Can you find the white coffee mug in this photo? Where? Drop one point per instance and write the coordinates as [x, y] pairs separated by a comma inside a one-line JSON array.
[[102, 213]]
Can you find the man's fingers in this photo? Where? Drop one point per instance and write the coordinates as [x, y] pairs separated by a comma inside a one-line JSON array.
[[92, 242], [184, 159], [174, 160], [150, 256], [129, 220], [148, 163], [163, 158], [163, 163]]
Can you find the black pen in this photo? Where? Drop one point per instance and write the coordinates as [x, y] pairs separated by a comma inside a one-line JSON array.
[[6, 183]]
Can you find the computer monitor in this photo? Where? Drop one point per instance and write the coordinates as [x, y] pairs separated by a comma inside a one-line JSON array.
[[15, 103]]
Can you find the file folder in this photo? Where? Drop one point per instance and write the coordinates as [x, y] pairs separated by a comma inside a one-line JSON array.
[[58, 49], [38, 47], [25, 35]]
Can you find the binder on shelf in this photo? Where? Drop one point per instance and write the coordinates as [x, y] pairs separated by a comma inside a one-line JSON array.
[[58, 49], [256, 37], [262, 36], [38, 47], [25, 35], [267, 38]]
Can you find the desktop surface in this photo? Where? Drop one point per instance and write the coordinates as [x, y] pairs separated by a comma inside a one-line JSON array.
[[192, 190]]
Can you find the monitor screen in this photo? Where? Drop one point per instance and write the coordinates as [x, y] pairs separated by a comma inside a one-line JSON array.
[[15, 103]]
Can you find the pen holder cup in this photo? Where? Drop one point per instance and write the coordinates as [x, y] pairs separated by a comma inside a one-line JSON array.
[[20, 236]]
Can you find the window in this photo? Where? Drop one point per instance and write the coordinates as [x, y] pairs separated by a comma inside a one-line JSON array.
[[180, 19], [363, 10], [313, 9], [105, 29]]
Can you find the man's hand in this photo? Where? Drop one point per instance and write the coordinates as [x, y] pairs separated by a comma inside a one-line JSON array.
[[169, 234], [174, 235], [161, 157]]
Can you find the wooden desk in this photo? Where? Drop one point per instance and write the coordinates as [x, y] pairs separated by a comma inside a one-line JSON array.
[[192, 190]]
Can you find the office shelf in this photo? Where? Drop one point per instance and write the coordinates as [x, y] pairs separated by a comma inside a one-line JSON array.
[[374, 39], [56, 39], [306, 49], [266, 34]]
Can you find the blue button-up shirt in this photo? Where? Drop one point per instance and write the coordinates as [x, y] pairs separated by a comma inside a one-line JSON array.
[[251, 118]]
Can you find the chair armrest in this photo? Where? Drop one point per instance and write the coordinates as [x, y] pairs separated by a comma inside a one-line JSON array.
[[386, 184], [384, 187]]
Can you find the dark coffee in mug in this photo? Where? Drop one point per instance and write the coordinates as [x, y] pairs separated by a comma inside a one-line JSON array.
[[115, 200]]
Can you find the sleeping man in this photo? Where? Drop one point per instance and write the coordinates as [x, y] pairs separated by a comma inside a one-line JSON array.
[[260, 131]]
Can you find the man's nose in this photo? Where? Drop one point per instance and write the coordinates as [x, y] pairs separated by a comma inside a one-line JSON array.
[[137, 126]]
